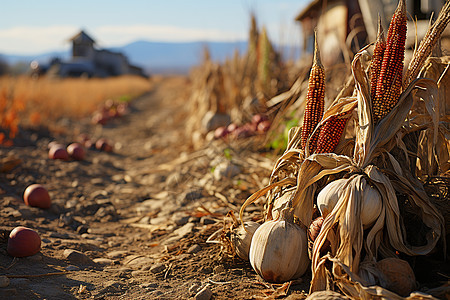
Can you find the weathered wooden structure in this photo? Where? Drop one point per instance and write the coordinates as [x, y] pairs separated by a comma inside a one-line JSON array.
[[89, 61], [344, 26]]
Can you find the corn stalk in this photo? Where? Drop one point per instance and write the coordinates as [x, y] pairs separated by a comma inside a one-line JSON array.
[[301, 175]]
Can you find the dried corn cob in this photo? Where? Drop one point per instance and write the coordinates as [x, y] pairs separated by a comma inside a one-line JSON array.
[[330, 133], [426, 45], [388, 88], [377, 59], [314, 101]]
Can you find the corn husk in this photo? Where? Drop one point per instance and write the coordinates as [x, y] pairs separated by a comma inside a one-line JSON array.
[[433, 152], [380, 155], [341, 227], [371, 142]]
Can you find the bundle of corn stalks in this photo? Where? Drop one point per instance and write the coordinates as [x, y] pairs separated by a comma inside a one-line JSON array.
[[239, 88], [363, 184]]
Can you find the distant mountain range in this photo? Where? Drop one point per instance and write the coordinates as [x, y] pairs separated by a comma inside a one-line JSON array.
[[159, 57], [165, 57]]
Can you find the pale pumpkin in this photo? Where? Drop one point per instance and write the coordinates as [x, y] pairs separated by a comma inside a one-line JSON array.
[[279, 249], [397, 275], [371, 199], [241, 238]]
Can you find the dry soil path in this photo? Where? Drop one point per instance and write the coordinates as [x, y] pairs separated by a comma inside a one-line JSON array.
[[131, 224]]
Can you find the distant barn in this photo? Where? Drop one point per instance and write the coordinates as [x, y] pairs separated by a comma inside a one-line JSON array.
[[88, 61]]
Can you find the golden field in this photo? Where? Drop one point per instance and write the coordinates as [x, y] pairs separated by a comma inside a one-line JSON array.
[[28, 101]]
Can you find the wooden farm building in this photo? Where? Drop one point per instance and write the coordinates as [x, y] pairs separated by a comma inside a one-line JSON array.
[[344, 26], [89, 61]]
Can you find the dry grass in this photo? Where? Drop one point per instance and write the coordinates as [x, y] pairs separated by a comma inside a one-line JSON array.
[[27, 101]]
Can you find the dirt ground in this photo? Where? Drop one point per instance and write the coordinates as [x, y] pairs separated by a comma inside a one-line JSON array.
[[133, 223]]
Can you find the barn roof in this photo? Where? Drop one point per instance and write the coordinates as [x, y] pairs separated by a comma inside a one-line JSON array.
[[370, 11], [82, 37], [311, 8]]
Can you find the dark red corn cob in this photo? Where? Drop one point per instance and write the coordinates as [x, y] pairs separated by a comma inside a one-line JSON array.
[[315, 102], [330, 133], [387, 88], [377, 59], [428, 42]]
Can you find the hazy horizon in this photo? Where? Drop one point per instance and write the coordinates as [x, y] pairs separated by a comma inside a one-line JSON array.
[[46, 26]]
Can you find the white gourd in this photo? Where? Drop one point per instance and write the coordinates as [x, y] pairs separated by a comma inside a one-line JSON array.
[[242, 237], [278, 250], [371, 199]]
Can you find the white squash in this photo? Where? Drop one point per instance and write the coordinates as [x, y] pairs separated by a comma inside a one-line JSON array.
[[371, 198], [241, 238], [279, 249]]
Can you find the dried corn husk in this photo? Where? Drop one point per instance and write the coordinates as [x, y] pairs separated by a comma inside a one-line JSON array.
[[371, 142], [433, 152], [280, 202], [353, 271], [326, 295], [293, 169], [351, 284]]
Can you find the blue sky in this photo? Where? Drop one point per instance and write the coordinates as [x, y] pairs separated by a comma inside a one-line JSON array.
[[30, 27]]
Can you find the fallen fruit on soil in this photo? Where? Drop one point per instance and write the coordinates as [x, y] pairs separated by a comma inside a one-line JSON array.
[[23, 242], [100, 118], [36, 195], [58, 151], [278, 251], [76, 151], [232, 127]]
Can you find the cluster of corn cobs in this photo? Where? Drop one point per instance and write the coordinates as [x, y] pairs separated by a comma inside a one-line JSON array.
[[385, 87], [361, 221]]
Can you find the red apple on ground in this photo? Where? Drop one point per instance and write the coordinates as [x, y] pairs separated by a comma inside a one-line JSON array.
[[23, 242], [89, 144], [122, 109], [100, 118], [243, 132], [58, 152], [76, 151], [252, 127], [109, 103], [36, 195]]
